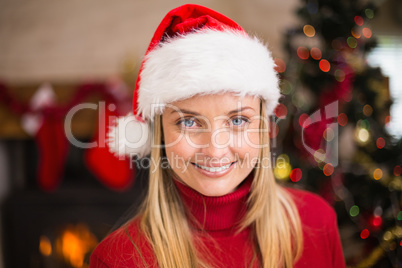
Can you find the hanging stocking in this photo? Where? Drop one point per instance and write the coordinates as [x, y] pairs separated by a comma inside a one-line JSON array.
[[112, 171]]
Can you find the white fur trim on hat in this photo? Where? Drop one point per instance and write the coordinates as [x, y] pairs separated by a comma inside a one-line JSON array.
[[129, 136], [207, 62]]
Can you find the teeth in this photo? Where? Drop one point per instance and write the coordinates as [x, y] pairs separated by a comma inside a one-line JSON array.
[[214, 169]]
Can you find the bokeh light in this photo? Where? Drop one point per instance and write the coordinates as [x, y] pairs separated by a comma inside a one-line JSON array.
[[377, 174], [364, 234], [304, 120], [387, 120], [376, 221], [354, 211], [352, 42], [286, 87], [339, 75], [380, 143], [367, 32], [359, 20], [362, 135], [329, 134], [303, 53], [296, 174], [397, 170], [281, 111], [399, 217], [328, 169], [342, 119], [367, 110], [319, 155], [355, 32], [315, 53], [369, 13], [325, 66], [309, 30], [280, 65], [282, 167]]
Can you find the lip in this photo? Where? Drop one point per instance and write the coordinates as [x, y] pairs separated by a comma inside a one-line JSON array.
[[214, 174]]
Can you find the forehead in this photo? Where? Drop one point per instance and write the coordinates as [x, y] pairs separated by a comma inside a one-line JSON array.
[[216, 103]]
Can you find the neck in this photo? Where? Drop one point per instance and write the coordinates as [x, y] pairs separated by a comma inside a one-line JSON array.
[[217, 214]]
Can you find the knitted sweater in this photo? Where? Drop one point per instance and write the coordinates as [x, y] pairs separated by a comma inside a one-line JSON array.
[[218, 217]]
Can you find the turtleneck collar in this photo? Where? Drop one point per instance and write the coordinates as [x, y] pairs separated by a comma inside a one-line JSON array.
[[220, 213]]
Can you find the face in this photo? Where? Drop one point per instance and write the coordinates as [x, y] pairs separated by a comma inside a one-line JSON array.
[[212, 141]]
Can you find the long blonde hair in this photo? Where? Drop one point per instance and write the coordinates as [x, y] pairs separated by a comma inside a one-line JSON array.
[[271, 214]]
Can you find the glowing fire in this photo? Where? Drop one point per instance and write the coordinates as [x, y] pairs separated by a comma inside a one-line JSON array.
[[75, 243]]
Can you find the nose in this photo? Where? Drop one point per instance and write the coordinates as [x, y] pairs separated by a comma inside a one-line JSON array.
[[217, 143]]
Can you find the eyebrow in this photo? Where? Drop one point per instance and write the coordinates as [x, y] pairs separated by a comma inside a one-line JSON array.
[[197, 114]]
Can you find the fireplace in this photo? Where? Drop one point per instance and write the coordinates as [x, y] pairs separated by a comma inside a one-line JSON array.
[[60, 229]]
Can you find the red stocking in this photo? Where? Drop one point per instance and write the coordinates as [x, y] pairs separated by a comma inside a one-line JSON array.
[[113, 172], [53, 148]]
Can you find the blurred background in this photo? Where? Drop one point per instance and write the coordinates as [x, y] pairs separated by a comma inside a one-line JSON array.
[[338, 128]]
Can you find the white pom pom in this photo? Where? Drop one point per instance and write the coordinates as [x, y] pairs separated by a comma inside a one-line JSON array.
[[129, 136]]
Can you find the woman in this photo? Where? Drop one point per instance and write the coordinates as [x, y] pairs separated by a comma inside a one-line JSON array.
[[206, 89]]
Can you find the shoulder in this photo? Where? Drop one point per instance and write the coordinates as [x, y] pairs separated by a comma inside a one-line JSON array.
[[313, 209], [125, 247], [321, 242]]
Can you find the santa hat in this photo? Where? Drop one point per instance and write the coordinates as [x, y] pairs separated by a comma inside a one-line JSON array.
[[194, 51]]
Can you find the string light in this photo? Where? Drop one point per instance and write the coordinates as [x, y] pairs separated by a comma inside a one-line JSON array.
[[309, 30], [319, 155], [399, 217], [286, 87], [352, 42], [342, 119], [316, 53], [364, 234], [362, 135], [380, 143], [397, 170], [281, 111], [376, 221], [303, 53], [359, 20], [367, 32], [296, 174], [328, 169], [339, 75], [369, 13], [377, 174], [387, 119], [355, 33], [329, 134], [367, 110], [304, 120], [354, 211], [325, 66], [280, 65], [282, 167]]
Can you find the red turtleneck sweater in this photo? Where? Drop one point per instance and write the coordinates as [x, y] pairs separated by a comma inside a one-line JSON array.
[[218, 217]]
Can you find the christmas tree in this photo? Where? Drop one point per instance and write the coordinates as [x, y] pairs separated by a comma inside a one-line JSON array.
[[330, 132]]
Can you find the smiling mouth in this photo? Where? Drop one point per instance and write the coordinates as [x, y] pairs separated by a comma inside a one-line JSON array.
[[214, 169]]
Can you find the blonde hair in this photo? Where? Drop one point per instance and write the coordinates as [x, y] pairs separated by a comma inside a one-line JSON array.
[[271, 213]]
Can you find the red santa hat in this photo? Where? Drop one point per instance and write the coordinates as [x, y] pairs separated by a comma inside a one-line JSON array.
[[194, 51]]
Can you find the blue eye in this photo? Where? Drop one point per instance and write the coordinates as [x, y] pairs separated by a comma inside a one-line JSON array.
[[239, 121], [188, 122]]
